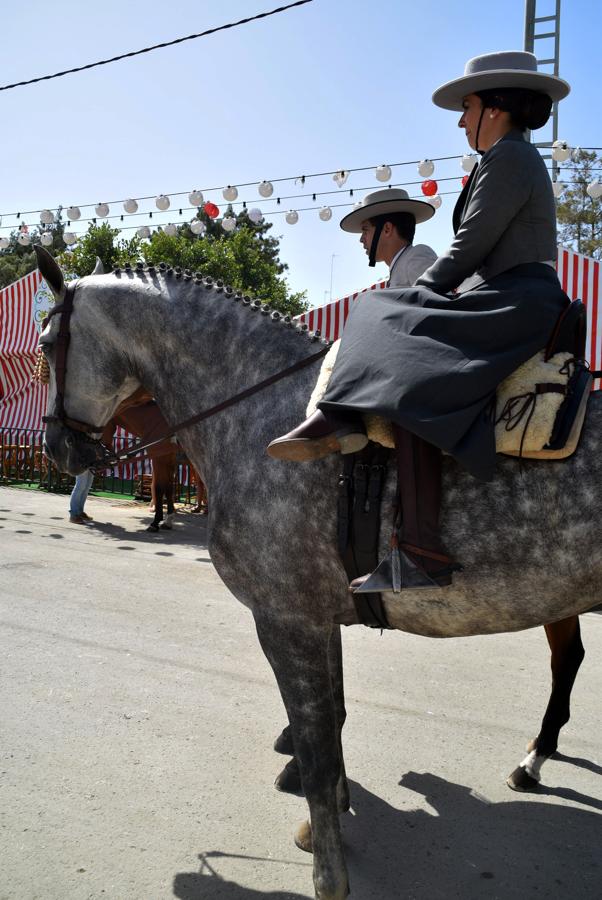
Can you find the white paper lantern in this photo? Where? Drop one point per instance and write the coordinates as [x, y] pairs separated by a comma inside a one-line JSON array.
[[469, 161], [435, 201], [557, 188], [594, 189], [162, 202], [292, 217], [325, 213], [197, 227], [560, 151], [4, 243], [24, 239], [69, 238], [383, 173], [266, 189], [195, 198], [130, 206], [74, 213], [255, 215], [46, 217], [143, 231], [340, 177], [426, 168], [576, 154], [230, 193], [229, 223], [46, 239], [171, 230], [102, 210]]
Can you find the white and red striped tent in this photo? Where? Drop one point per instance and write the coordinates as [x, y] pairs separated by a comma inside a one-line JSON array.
[[579, 275]]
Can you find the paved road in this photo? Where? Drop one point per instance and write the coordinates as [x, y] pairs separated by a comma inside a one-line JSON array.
[[137, 715]]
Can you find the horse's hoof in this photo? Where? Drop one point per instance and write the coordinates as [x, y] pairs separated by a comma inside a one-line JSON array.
[[152, 527], [284, 742], [520, 780], [303, 838], [289, 780]]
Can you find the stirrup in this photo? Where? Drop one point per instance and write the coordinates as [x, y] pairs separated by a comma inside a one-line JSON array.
[[396, 572]]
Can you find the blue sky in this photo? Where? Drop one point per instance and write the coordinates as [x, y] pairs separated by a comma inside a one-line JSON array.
[[327, 86]]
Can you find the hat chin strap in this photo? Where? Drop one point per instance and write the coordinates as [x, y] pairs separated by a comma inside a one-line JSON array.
[[375, 239], [478, 132]]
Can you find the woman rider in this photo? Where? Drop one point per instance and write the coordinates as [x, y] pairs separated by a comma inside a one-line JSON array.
[[430, 357]]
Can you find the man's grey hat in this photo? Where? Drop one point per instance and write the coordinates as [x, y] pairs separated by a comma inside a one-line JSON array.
[[506, 69], [379, 203]]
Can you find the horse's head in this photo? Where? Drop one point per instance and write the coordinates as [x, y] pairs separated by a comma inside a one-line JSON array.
[[88, 377]]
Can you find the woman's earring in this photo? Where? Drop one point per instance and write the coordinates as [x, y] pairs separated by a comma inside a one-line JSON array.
[[491, 115]]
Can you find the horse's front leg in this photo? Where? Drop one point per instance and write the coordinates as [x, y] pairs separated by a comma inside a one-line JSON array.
[[289, 779], [298, 652], [564, 638]]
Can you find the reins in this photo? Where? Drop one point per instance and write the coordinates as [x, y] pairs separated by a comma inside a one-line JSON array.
[[62, 345]]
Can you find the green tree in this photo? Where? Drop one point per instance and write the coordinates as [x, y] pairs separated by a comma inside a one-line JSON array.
[[100, 241], [246, 258], [579, 215]]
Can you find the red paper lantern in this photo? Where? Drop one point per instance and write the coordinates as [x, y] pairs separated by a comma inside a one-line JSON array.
[[211, 209], [429, 188], [464, 180]]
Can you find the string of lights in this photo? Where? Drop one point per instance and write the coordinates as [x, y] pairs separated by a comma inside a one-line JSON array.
[[190, 37], [196, 198]]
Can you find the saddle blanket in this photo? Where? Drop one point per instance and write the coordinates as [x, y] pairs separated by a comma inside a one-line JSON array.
[[527, 405]]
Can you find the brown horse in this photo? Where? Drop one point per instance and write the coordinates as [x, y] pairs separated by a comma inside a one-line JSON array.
[[140, 415]]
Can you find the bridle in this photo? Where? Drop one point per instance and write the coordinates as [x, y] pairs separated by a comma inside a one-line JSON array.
[[87, 431]]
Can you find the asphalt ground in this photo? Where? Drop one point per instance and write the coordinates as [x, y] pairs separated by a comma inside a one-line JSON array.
[[137, 715]]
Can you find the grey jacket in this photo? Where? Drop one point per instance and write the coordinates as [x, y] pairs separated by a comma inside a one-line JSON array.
[[412, 263], [505, 216]]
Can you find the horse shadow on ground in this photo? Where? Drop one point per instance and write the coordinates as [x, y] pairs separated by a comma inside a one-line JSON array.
[[463, 848]]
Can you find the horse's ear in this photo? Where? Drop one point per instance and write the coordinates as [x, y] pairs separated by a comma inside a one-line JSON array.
[[51, 271], [99, 269]]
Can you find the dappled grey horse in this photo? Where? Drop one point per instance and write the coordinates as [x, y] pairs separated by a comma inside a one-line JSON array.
[[529, 540]]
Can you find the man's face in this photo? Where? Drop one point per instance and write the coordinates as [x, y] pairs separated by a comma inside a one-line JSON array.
[[366, 236]]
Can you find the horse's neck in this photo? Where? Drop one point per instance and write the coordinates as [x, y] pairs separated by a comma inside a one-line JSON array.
[[206, 349]]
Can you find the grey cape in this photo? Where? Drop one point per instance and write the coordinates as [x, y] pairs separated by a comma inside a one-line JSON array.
[[431, 361]]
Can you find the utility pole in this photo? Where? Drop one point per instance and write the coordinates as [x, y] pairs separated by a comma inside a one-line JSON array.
[[331, 271], [547, 29]]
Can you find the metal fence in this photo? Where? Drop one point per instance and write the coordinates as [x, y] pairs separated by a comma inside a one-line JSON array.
[[22, 461]]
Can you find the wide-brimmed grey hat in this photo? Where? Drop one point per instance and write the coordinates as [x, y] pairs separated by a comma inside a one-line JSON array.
[[506, 69], [388, 200]]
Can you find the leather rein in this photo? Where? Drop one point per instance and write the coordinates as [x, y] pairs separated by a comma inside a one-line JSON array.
[[62, 345]]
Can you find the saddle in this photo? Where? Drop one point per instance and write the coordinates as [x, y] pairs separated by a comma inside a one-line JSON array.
[[539, 409]]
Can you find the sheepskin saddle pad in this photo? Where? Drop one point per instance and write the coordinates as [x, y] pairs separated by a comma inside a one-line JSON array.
[[528, 406]]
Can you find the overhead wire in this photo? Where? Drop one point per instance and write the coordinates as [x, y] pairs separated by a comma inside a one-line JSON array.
[[190, 37]]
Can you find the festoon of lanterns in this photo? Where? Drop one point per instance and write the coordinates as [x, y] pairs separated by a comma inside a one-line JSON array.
[[561, 151]]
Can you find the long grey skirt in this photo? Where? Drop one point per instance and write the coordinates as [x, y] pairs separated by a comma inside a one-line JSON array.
[[432, 363]]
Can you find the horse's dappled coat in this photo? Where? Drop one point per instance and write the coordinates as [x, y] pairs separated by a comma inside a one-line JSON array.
[[529, 540]]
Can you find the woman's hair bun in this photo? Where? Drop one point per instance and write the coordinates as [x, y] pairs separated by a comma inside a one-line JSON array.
[[527, 109]]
